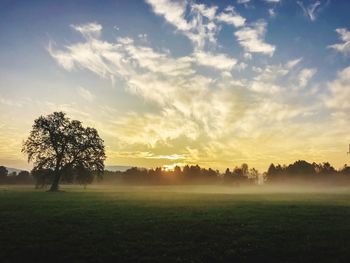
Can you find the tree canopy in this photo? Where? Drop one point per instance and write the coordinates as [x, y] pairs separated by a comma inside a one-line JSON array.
[[3, 171], [58, 143]]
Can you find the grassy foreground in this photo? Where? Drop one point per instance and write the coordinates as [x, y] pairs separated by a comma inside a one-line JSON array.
[[173, 224]]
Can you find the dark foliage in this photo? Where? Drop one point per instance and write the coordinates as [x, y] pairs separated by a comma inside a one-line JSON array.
[[3, 171], [59, 144]]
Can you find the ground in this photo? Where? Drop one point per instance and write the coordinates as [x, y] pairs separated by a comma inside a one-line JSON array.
[[174, 224]]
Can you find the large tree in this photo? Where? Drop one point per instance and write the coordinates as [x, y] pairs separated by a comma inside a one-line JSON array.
[[60, 144]]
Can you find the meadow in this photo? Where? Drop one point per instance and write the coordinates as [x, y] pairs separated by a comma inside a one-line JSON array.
[[174, 224]]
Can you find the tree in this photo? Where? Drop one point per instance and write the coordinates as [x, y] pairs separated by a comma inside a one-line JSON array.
[[58, 143], [3, 171], [13, 173], [43, 177], [245, 169], [23, 174], [254, 175], [177, 171]]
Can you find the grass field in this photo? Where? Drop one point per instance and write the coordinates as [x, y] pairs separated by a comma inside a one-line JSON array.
[[174, 224]]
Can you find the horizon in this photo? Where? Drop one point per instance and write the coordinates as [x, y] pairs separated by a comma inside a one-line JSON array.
[[188, 82]]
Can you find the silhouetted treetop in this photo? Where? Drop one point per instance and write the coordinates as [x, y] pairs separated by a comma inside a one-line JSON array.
[[58, 143]]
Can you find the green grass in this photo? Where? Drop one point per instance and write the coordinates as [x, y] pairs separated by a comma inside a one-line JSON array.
[[174, 224]]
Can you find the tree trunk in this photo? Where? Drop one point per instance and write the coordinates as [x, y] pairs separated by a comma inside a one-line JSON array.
[[56, 181]]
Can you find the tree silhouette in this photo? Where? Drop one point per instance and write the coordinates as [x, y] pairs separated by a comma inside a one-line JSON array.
[[58, 143], [3, 171], [23, 174]]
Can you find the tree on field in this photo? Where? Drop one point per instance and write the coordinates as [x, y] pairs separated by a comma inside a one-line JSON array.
[[58, 143], [3, 171]]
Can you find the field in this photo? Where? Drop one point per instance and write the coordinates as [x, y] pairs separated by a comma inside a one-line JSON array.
[[174, 224]]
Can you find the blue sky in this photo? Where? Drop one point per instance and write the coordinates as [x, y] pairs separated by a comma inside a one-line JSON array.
[[172, 82]]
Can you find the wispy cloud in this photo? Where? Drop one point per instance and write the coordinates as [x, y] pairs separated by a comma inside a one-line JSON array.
[[218, 61], [251, 38], [311, 10], [88, 30], [86, 94], [272, 1], [199, 22], [195, 108], [343, 47], [187, 18], [231, 17], [243, 1], [305, 76], [339, 97]]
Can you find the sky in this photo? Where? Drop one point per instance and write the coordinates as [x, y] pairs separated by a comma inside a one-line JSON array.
[[165, 83]]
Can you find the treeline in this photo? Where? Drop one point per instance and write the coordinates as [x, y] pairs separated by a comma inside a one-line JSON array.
[[22, 177], [189, 174], [305, 172], [298, 172], [44, 177]]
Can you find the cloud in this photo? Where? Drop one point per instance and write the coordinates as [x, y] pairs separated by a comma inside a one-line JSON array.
[[311, 10], [172, 11], [10, 102], [251, 38], [194, 105], [231, 17], [198, 22], [208, 12], [343, 47], [243, 1], [188, 18], [86, 94], [172, 83], [272, 1], [272, 78], [218, 61], [305, 75], [339, 97], [88, 30]]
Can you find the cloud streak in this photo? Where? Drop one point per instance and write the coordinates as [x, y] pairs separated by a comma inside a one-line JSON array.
[[343, 47], [311, 10]]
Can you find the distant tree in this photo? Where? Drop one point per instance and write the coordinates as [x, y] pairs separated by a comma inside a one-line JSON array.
[[237, 172], [324, 168], [254, 175], [14, 173], [177, 171], [345, 170], [23, 174], [245, 169], [301, 168], [186, 171], [3, 171], [271, 173], [58, 143], [43, 177]]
